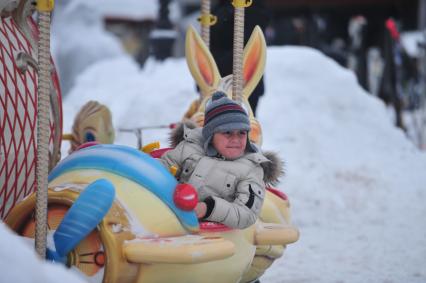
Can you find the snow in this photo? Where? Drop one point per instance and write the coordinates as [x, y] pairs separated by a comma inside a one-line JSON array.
[[79, 40], [357, 185], [355, 182], [128, 9], [19, 263], [411, 40]]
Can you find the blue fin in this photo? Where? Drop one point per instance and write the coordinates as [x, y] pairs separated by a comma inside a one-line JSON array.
[[84, 215]]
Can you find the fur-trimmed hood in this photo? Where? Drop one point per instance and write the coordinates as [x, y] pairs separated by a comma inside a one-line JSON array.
[[273, 168], [176, 136]]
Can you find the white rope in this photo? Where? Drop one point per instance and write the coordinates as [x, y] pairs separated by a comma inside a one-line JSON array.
[[237, 67], [205, 28], [43, 132]]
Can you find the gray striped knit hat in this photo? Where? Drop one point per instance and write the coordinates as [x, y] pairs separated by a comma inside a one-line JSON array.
[[221, 115]]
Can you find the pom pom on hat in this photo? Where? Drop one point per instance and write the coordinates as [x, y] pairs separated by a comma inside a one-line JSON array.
[[218, 95]]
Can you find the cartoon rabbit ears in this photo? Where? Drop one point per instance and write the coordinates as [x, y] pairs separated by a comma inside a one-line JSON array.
[[204, 69]]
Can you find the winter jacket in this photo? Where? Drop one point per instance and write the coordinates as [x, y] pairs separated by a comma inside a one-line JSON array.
[[232, 190]]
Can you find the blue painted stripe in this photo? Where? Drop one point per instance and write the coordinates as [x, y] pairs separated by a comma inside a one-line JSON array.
[[131, 164], [84, 215]]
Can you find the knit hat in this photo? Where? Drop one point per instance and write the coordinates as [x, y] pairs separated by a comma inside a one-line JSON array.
[[221, 115]]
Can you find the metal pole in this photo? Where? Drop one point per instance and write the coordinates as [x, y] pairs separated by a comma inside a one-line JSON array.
[[138, 131]]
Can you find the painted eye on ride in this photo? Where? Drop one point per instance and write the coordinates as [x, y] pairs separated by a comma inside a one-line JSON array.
[[89, 137]]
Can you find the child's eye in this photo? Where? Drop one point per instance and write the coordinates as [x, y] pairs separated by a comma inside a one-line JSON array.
[[242, 133]]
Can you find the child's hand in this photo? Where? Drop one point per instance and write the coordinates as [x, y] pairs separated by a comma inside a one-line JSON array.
[[201, 209]]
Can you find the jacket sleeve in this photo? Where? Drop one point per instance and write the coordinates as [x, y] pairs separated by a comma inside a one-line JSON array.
[[173, 157], [245, 209]]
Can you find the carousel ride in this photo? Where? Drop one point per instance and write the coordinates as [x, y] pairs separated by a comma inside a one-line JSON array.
[[113, 212]]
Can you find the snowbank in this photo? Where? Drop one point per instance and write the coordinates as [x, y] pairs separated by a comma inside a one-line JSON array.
[[128, 9], [20, 264], [356, 183], [79, 40]]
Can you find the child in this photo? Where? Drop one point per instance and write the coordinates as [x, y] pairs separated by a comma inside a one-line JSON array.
[[225, 168]]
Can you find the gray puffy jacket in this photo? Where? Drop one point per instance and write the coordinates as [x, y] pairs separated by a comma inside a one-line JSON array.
[[233, 190]]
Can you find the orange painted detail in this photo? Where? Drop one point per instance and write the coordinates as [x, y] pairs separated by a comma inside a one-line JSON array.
[[86, 253], [54, 216], [255, 134], [88, 256], [252, 61], [100, 259], [203, 65]]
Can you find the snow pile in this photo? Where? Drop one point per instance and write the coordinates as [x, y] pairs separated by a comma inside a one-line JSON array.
[[20, 264], [79, 40], [411, 40], [135, 96], [136, 10], [356, 184]]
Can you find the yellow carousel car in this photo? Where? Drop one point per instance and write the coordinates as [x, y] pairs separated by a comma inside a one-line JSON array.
[[148, 230]]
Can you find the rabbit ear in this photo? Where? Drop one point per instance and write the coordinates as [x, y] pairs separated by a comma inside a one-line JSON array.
[[201, 63], [254, 61]]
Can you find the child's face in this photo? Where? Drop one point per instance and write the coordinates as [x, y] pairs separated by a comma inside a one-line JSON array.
[[230, 145]]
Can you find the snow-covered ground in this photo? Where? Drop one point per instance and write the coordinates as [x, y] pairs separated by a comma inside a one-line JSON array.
[[19, 263], [79, 40], [357, 185]]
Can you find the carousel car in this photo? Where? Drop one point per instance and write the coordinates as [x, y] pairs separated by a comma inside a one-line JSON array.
[[148, 231]]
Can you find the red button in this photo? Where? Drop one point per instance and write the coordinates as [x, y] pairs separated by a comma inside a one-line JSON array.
[[185, 197]]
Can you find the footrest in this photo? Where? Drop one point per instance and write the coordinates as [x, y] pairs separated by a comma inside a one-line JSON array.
[[179, 250], [276, 234]]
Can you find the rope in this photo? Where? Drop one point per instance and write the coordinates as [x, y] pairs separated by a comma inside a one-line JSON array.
[[206, 20], [237, 64], [205, 27], [43, 127]]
